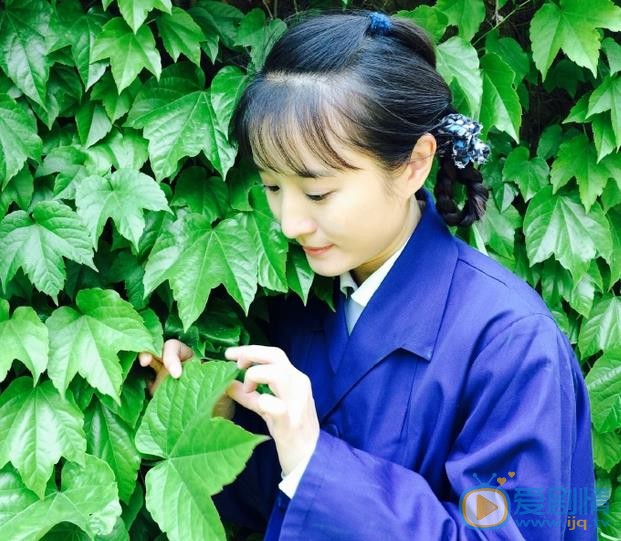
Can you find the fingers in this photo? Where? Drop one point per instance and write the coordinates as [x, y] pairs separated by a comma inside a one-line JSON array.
[[265, 405], [174, 352], [254, 354], [270, 374]]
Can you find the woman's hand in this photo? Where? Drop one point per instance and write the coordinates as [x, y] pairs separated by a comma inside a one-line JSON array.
[[290, 413], [174, 353]]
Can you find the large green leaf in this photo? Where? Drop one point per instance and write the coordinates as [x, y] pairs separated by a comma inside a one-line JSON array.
[[607, 97], [458, 63], [83, 33], [530, 175], [572, 26], [602, 330], [26, 35], [614, 218], [558, 224], [467, 15], [24, 337], [500, 105], [122, 196], [604, 385], [88, 498], [135, 11], [111, 439], [201, 193], [92, 122], [178, 427], [37, 427], [590, 175], [87, 341], [195, 258], [270, 244], [38, 244], [181, 35], [18, 138], [129, 53]]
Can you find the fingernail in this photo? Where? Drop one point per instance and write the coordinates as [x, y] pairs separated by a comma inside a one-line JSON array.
[[230, 353], [175, 371]]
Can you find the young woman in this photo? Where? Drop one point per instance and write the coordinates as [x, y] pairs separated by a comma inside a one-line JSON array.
[[440, 401]]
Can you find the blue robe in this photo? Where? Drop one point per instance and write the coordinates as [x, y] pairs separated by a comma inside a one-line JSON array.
[[455, 378]]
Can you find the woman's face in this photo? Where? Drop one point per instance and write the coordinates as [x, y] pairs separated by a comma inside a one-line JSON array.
[[352, 213]]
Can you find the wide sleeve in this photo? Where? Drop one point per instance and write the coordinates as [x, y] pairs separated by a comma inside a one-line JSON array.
[[524, 409]]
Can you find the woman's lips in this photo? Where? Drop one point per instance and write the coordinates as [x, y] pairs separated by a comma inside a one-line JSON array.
[[317, 251]]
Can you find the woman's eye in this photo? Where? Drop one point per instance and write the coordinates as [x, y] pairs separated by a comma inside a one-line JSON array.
[[312, 197]]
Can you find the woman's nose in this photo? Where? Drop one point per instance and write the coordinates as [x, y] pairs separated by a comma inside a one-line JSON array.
[[295, 221]]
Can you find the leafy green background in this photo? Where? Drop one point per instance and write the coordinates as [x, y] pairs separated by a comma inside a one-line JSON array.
[[127, 216]]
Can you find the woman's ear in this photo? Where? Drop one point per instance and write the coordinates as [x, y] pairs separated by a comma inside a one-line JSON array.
[[418, 168]]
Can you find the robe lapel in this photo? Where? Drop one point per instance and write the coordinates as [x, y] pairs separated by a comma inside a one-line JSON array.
[[405, 312]]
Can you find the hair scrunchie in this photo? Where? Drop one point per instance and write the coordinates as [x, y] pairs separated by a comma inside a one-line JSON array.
[[380, 23], [458, 136]]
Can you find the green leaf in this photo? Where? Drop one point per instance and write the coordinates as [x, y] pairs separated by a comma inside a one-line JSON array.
[[115, 104], [607, 97], [590, 175], [129, 53], [202, 194], [606, 449], [176, 81], [226, 89], [500, 105], [135, 11], [87, 341], [18, 138], [300, 276], [110, 439], [83, 33], [181, 35], [23, 337], [602, 330], [195, 258], [572, 26], [614, 218], [183, 128], [458, 63], [258, 34], [497, 228], [179, 428], [26, 36], [603, 135], [93, 123], [218, 21], [18, 190], [549, 141], [88, 498], [511, 52], [558, 224], [37, 427], [270, 244], [37, 244], [613, 52], [604, 386], [124, 150], [583, 292], [467, 15], [122, 196], [530, 175], [428, 17]]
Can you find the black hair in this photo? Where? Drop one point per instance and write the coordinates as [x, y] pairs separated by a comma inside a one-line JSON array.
[[331, 78]]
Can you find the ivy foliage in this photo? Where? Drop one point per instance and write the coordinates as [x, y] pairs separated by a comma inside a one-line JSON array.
[[127, 216]]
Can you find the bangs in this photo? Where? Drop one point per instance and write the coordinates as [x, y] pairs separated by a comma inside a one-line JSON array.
[[295, 125]]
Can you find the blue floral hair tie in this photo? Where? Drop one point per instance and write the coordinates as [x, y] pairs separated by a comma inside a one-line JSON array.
[[458, 136], [380, 23]]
